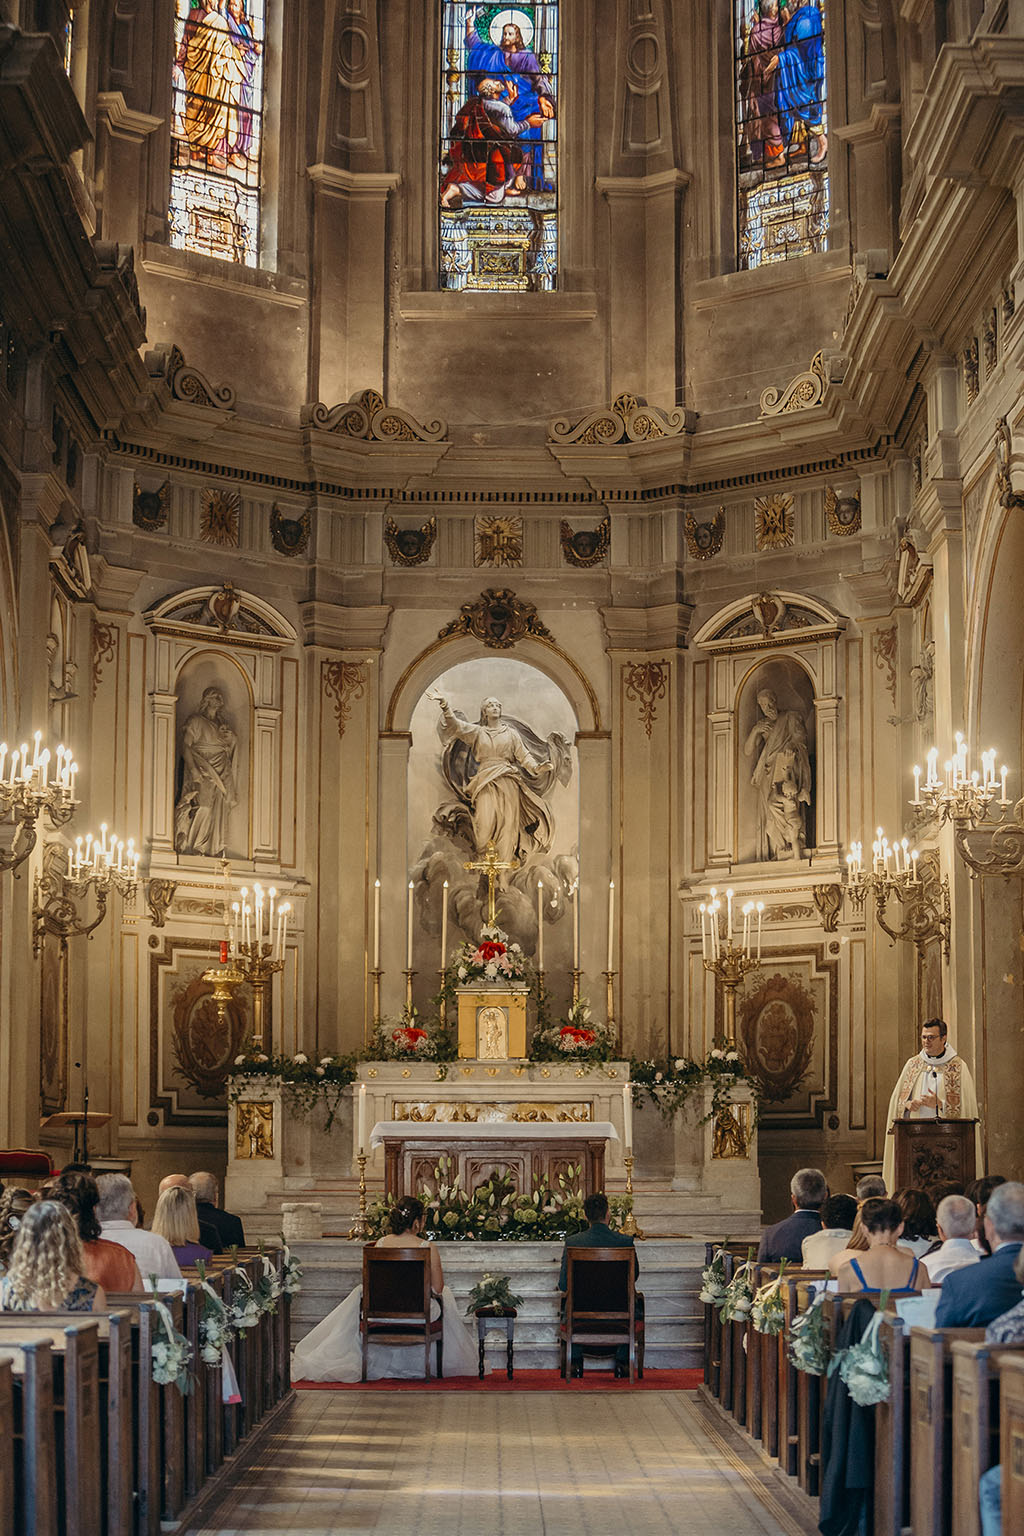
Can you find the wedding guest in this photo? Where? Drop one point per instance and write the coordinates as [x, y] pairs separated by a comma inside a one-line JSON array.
[[14, 1203], [209, 1236], [956, 1219], [117, 1211], [976, 1295], [808, 1191], [109, 1264], [884, 1266], [919, 1230], [838, 1215], [175, 1219], [46, 1269], [229, 1227], [871, 1187]]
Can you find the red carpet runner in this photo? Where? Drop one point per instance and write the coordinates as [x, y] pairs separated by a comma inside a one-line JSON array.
[[524, 1381]]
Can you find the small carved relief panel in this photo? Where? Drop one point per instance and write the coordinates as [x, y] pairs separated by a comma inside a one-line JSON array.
[[289, 535], [410, 546], [218, 517], [586, 547], [704, 540], [150, 509], [498, 541], [646, 682], [498, 619], [842, 512], [774, 523], [254, 1130]]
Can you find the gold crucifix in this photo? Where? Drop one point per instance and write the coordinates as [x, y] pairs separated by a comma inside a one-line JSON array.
[[491, 866]]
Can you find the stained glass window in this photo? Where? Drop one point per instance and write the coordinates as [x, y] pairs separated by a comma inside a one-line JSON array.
[[217, 128], [499, 147], [782, 129]]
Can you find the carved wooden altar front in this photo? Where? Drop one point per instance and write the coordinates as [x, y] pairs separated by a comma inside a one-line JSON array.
[[527, 1154]]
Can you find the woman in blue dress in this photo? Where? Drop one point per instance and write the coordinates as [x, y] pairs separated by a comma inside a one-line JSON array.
[[884, 1265]]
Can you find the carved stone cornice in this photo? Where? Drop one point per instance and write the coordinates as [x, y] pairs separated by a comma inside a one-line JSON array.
[[366, 417], [664, 627], [969, 126], [122, 121], [362, 184], [167, 362], [629, 419]]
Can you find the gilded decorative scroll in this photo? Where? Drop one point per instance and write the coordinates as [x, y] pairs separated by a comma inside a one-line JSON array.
[[885, 646], [499, 619], [344, 682], [646, 682], [104, 650], [367, 416], [806, 389]]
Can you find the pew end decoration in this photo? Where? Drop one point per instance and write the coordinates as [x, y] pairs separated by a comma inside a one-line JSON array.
[[768, 1310], [291, 1272], [808, 1345], [713, 1283], [171, 1351], [739, 1293], [863, 1366]]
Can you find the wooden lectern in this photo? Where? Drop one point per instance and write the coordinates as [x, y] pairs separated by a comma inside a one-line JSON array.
[[934, 1152]]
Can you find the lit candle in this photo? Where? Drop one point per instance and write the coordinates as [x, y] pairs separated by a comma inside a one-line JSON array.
[[71, 864], [728, 917], [444, 924], [627, 1115], [747, 909], [44, 766], [704, 930], [245, 916], [362, 1119], [914, 856], [950, 773], [14, 765], [1002, 793], [575, 925], [37, 738], [3, 759], [234, 928], [611, 924], [103, 837], [760, 914], [270, 920], [285, 910], [917, 785], [905, 845], [71, 780], [408, 945], [540, 925], [376, 925], [932, 775], [258, 918]]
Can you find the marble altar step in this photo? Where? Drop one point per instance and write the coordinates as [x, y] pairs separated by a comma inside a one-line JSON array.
[[669, 1278]]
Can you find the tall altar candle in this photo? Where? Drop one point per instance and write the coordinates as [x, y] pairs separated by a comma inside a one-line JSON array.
[[540, 925], [408, 945], [576, 925], [362, 1118], [627, 1115], [376, 925], [611, 925], [444, 925]]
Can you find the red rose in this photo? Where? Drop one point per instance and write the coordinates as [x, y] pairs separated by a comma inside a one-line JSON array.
[[409, 1036], [490, 949]]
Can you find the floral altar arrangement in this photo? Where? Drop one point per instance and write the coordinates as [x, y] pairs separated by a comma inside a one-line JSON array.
[[493, 1292], [670, 1083], [305, 1083], [411, 1038], [494, 961], [739, 1293], [496, 1211], [768, 1310], [808, 1345], [579, 1037]]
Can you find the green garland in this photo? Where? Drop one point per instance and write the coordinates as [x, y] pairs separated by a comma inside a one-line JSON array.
[[670, 1083]]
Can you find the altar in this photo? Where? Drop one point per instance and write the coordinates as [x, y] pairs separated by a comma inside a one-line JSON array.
[[529, 1153]]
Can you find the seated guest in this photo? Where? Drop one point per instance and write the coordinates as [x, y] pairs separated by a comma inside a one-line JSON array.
[[229, 1228], [109, 1264], [919, 1230], [208, 1234], [599, 1235], [884, 1266], [14, 1203], [975, 1296], [858, 1242], [175, 1218], [117, 1212], [871, 1187], [785, 1240], [955, 1219], [838, 1215], [979, 1190], [46, 1270]]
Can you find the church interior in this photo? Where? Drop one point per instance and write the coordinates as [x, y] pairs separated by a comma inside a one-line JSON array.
[[680, 644]]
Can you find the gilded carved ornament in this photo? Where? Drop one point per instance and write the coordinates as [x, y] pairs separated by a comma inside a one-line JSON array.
[[498, 619], [410, 546], [498, 541], [586, 547], [774, 522], [704, 540], [366, 416], [646, 682], [842, 512], [187, 383], [344, 682], [290, 535], [807, 389], [629, 419]]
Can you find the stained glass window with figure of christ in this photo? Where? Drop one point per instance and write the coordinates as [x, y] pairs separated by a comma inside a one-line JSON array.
[[781, 130], [498, 183], [217, 128]]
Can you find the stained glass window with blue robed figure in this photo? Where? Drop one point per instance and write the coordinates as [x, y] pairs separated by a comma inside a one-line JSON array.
[[217, 128], [499, 147], [782, 129]]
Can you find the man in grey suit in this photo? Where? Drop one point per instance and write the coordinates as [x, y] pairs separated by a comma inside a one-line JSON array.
[[599, 1235], [974, 1296]]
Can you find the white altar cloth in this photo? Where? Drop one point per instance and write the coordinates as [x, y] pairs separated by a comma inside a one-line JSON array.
[[492, 1130]]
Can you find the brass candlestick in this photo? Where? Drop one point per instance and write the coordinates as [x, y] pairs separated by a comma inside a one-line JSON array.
[[408, 988], [576, 974], [441, 1005], [376, 995], [360, 1228], [730, 965], [609, 977], [254, 961], [629, 1225]]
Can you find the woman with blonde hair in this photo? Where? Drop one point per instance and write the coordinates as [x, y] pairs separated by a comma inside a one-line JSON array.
[[45, 1272], [177, 1220]]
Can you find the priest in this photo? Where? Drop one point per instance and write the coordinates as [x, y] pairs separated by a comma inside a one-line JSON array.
[[934, 1085]]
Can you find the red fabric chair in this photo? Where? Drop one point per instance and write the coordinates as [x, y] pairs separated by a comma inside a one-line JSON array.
[[395, 1307], [22, 1165]]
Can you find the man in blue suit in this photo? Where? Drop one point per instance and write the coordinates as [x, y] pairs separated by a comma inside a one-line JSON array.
[[785, 1240], [599, 1235], [972, 1297]]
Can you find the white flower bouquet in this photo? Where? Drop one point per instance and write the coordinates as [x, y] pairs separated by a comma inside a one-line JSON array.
[[864, 1367], [768, 1309], [291, 1280], [171, 1353], [808, 1348], [713, 1286], [739, 1293]]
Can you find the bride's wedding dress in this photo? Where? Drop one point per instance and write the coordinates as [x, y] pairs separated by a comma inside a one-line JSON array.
[[333, 1350]]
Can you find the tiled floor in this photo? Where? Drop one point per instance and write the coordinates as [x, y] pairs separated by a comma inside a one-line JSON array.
[[358, 1462]]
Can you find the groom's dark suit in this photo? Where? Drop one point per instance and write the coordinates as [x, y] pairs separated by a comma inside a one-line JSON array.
[[599, 1235]]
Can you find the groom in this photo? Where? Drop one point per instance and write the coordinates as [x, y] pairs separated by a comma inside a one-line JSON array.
[[598, 1235]]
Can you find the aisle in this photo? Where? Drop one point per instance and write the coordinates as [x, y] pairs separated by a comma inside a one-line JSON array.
[[348, 1463]]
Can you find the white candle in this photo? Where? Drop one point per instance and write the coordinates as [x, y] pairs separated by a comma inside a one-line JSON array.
[[728, 917], [540, 925], [285, 914], [44, 765], [932, 776], [362, 1119], [408, 945], [627, 1115], [575, 925], [1002, 793], [704, 930], [917, 785], [71, 780], [376, 925], [3, 759], [444, 925], [37, 738], [611, 924], [760, 914], [271, 931], [914, 858]]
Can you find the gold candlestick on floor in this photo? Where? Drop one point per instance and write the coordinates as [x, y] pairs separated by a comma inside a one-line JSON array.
[[360, 1228], [629, 1225], [377, 975]]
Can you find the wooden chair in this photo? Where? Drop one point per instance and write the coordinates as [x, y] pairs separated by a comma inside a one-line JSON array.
[[601, 1307], [396, 1303]]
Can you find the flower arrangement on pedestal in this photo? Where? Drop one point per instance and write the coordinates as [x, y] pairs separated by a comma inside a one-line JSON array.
[[493, 1292], [305, 1083], [577, 1037], [670, 1083], [410, 1038], [494, 961]]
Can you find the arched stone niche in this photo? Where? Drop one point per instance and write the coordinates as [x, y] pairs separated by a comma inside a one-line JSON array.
[[775, 760], [541, 686], [219, 638], [786, 642]]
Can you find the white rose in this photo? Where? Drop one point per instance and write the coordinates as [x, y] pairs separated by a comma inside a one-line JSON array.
[[261, 1057], [718, 1055], [732, 1055], [680, 1064], [325, 1061], [239, 1061], [659, 1077], [320, 1072], [300, 1059]]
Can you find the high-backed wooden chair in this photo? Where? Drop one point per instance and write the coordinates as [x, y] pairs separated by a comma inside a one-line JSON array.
[[395, 1307], [601, 1307]]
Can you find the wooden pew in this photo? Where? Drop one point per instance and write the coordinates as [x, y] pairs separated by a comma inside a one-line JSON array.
[[72, 1425], [1011, 1439], [810, 1395], [892, 1461], [7, 1441], [157, 1432], [931, 1427], [975, 1439], [34, 1459], [712, 1335], [196, 1400]]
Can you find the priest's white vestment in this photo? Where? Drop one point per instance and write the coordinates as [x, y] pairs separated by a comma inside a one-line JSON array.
[[948, 1077]]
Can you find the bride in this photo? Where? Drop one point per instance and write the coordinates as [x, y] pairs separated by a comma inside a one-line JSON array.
[[333, 1350]]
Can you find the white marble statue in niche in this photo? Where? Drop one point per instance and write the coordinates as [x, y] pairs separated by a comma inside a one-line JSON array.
[[781, 778], [208, 792], [499, 778]]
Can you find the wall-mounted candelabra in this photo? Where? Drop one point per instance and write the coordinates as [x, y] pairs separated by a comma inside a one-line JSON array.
[[967, 799], [73, 880], [730, 949], [912, 880], [31, 782]]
